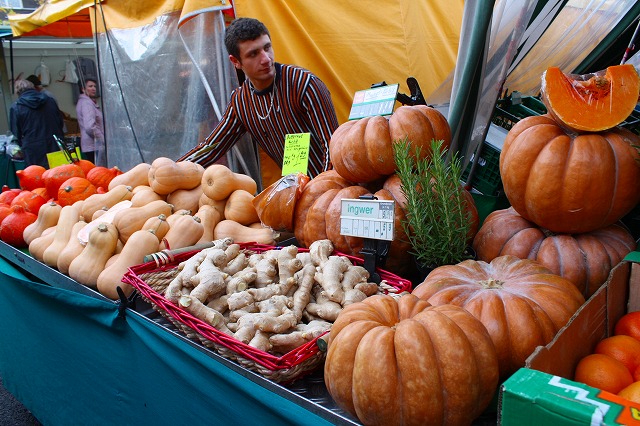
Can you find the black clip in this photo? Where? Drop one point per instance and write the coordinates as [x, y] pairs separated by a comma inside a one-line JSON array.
[[416, 97], [124, 303]]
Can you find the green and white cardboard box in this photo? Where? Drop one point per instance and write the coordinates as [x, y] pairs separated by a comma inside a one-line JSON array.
[[542, 393]]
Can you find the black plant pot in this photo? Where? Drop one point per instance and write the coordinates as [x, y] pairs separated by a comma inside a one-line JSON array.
[[422, 270]]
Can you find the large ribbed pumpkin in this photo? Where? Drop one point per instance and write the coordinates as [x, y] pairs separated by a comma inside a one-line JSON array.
[[405, 362], [570, 183], [520, 302], [584, 259], [317, 186], [362, 150]]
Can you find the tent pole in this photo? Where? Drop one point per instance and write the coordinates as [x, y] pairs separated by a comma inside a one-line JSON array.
[[632, 45]]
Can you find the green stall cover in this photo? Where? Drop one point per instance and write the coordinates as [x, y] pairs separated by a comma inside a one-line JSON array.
[[72, 359]]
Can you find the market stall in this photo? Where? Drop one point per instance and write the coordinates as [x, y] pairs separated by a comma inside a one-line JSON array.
[[386, 289]]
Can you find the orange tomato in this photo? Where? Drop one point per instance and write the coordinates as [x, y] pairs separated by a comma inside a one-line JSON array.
[[624, 348], [603, 372], [629, 325], [631, 392]]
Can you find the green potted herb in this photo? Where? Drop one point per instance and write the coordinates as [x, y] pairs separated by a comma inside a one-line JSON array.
[[437, 217]]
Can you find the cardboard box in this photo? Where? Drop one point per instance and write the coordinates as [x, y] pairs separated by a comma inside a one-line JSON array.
[[541, 393]]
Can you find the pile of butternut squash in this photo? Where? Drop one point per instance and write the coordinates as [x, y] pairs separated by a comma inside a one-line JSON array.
[[152, 207]]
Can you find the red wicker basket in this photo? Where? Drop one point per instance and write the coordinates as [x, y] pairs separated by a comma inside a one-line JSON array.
[[150, 278]]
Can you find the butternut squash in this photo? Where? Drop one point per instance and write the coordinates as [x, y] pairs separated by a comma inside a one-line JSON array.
[[218, 182], [69, 216], [185, 231], [185, 199], [218, 204], [209, 217], [239, 207], [100, 217], [107, 200], [140, 244], [157, 224], [47, 217], [131, 220], [138, 175], [176, 214], [143, 195], [86, 267], [166, 175], [40, 244], [244, 234], [72, 249]]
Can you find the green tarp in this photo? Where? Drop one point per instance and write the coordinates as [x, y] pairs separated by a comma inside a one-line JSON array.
[[71, 359]]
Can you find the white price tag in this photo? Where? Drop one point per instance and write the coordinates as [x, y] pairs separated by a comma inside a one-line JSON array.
[[367, 218]]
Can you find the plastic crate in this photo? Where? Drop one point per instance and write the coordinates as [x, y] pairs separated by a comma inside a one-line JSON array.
[[486, 177], [633, 121], [514, 108]]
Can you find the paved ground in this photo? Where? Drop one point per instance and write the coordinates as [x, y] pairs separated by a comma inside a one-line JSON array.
[[12, 412]]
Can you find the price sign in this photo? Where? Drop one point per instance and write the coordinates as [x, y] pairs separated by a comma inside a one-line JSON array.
[[377, 101], [296, 153], [367, 218]]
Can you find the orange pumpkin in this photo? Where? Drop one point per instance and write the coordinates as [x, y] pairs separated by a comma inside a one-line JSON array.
[[393, 362], [85, 165], [520, 302], [310, 193], [13, 226], [30, 177], [31, 201], [55, 176], [598, 103], [362, 150], [570, 183], [584, 259], [100, 176], [75, 189]]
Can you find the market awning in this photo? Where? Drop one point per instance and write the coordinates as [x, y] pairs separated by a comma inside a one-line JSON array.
[[57, 18]]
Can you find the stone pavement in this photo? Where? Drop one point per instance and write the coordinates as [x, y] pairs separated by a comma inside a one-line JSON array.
[[12, 412]]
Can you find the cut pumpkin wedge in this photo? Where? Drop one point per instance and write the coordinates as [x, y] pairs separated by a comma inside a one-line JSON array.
[[594, 102]]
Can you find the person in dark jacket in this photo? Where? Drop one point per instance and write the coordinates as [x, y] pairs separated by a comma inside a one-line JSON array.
[[35, 119]]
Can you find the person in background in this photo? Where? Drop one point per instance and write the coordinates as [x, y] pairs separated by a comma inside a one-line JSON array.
[[274, 100], [40, 88], [90, 122], [34, 120]]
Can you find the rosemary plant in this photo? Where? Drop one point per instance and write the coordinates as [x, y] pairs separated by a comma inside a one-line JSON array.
[[438, 221]]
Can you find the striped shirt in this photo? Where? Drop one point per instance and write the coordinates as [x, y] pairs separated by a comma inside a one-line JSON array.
[[299, 103]]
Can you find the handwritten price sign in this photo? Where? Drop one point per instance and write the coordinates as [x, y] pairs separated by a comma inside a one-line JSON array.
[[296, 153]]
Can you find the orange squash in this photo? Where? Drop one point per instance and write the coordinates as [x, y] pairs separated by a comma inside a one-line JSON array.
[[520, 302], [72, 249], [599, 102], [185, 199], [405, 362], [30, 177], [69, 216], [105, 201], [584, 259], [136, 176], [86, 267], [362, 150], [132, 219], [184, 231], [209, 217], [239, 207], [56, 176], [570, 183], [219, 181], [101, 176], [47, 217], [310, 193], [75, 189], [166, 175]]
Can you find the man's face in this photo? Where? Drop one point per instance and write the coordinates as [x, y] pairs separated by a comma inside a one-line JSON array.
[[256, 61], [90, 89]]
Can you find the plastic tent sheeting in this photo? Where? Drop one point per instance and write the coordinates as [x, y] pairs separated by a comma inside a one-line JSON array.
[[56, 18], [163, 71], [351, 45]]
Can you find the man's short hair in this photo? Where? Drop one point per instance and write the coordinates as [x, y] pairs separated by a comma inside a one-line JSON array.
[[22, 86], [242, 29]]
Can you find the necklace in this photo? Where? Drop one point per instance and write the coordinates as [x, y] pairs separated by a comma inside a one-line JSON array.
[[272, 96]]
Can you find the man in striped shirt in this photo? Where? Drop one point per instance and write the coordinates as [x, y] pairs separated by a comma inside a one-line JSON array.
[[274, 100]]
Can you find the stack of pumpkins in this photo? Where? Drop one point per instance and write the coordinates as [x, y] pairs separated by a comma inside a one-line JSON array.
[[437, 355], [570, 176], [361, 152]]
